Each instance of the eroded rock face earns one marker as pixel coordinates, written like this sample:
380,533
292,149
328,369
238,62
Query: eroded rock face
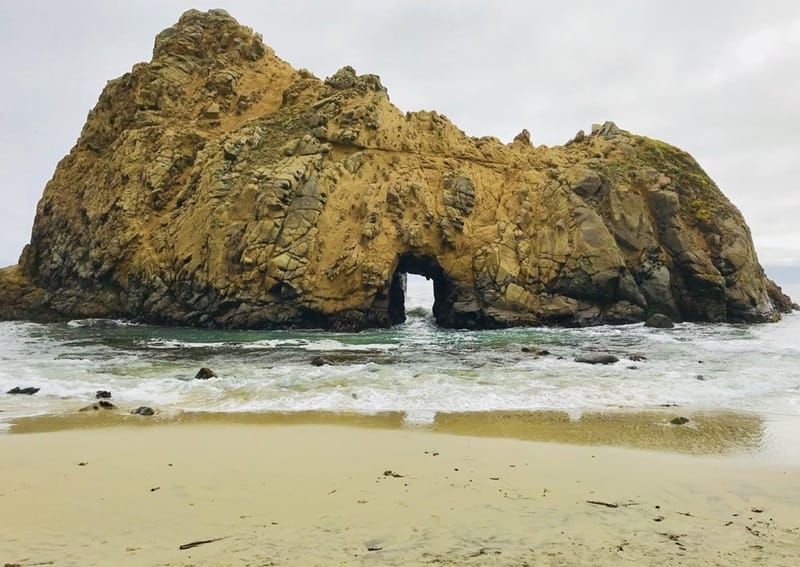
218,186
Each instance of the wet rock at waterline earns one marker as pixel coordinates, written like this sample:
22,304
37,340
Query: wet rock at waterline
101,405
143,410
217,186
102,394
659,321
205,374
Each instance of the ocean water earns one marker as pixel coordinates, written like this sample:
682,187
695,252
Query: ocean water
415,368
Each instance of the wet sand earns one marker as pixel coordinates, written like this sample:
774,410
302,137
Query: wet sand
712,433
335,494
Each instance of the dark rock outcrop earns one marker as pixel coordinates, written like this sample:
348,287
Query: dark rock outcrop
218,186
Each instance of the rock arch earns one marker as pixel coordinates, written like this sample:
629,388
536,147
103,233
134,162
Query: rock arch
218,186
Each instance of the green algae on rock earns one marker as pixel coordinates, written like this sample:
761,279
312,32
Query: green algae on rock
218,186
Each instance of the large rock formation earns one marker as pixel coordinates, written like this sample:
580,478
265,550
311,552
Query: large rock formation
218,186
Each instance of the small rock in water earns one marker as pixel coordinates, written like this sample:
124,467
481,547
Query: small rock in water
102,394
143,410
659,321
536,351
597,358
320,361
102,404
637,357
29,391
204,374
679,421
700,377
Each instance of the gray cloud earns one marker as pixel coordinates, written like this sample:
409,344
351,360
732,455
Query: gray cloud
718,79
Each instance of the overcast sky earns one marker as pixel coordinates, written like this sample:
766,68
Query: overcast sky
720,79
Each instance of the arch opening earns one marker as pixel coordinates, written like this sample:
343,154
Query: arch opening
429,268
419,296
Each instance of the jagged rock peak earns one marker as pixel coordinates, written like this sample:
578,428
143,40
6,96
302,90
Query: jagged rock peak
199,35
218,186
346,78
523,137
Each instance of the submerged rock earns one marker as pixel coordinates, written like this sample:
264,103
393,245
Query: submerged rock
597,358
320,361
535,351
28,391
679,421
216,186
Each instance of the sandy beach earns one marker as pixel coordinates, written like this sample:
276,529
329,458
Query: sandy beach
278,494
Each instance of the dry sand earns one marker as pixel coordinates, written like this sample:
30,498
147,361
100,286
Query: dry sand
343,495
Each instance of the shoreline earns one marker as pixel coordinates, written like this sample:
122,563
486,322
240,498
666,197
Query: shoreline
705,432
323,494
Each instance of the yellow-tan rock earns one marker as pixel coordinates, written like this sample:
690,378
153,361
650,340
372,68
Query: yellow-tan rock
218,186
